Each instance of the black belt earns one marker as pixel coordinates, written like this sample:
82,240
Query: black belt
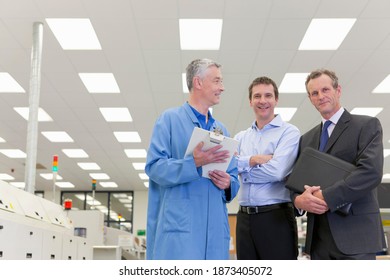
261,209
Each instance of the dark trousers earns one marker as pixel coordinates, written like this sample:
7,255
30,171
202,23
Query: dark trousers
270,235
323,246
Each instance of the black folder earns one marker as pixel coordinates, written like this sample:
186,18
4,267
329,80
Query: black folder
315,168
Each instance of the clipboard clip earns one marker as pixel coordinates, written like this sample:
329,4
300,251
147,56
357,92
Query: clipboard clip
216,137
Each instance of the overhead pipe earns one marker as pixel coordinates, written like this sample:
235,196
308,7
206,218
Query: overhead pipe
34,92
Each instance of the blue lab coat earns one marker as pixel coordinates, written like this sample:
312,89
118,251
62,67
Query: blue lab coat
187,216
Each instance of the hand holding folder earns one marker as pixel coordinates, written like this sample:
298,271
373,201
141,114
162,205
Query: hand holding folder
315,168
212,139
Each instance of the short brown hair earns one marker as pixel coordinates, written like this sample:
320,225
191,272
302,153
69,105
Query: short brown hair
317,73
263,81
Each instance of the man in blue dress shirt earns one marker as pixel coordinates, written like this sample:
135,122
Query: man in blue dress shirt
266,225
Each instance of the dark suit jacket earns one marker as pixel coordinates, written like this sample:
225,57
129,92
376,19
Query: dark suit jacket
358,140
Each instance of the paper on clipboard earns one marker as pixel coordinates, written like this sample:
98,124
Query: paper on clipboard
212,139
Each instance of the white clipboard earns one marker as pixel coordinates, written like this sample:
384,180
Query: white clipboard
212,139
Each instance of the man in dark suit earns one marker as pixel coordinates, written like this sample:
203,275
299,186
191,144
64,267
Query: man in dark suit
355,139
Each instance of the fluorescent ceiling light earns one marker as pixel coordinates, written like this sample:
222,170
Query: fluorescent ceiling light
139,165
57,136
184,83
127,136
99,176
383,87
74,33
293,83
65,185
386,176
75,153
386,152
100,82
116,114
88,165
367,111
200,34
19,185
128,205
135,153
6,177
108,184
9,84
13,153
326,33
49,176
2,140
146,184
143,176
285,113
42,115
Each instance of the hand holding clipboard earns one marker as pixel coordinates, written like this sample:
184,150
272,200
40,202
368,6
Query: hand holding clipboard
210,140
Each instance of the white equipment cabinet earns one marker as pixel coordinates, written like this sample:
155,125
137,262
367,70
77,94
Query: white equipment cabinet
34,228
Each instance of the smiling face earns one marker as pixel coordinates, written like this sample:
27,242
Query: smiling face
324,96
210,86
263,102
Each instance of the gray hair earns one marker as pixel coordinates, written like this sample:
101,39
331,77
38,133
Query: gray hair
198,68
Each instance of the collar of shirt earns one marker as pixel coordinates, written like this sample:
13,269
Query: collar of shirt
334,119
276,121
202,119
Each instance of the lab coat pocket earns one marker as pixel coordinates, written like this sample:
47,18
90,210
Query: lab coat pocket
177,216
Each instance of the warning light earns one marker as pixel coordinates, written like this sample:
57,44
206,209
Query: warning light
68,204
55,164
93,184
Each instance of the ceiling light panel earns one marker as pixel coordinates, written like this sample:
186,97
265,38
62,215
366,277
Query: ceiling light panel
200,34
127,136
383,87
65,185
13,153
116,114
75,153
6,177
139,165
108,184
57,136
100,82
326,33
9,84
74,33
2,140
367,111
135,153
25,111
293,83
99,176
88,165
184,83
49,176
285,113
143,176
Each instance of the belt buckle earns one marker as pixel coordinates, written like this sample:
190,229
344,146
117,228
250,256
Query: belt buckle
251,210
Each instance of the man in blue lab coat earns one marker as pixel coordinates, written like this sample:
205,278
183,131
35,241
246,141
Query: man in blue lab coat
187,215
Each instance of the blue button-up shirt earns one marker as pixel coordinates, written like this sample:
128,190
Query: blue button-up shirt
265,184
